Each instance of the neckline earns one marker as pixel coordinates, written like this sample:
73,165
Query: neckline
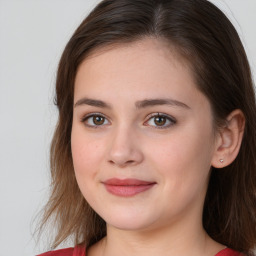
80,251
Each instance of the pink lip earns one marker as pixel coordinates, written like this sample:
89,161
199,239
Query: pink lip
127,187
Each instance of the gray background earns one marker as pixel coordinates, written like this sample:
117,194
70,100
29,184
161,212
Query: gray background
33,34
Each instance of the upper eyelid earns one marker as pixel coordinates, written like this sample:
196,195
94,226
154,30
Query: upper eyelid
161,114
84,117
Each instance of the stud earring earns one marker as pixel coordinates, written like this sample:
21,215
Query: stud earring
221,160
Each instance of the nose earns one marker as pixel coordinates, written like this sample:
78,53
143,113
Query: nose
125,149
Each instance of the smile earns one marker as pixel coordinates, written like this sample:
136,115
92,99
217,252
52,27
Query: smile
127,187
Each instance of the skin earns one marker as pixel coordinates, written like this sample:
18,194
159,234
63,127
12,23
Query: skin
130,143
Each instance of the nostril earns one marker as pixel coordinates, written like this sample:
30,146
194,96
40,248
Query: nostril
130,162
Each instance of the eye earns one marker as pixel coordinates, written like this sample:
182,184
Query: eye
95,120
160,121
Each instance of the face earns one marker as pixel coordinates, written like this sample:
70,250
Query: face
142,137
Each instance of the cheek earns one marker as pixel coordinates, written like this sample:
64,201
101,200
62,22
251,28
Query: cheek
87,153
184,160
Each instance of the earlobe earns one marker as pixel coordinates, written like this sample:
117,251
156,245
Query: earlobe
229,140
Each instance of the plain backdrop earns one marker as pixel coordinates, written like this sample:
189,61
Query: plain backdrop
33,34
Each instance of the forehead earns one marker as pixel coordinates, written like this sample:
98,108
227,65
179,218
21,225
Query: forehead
141,54
136,70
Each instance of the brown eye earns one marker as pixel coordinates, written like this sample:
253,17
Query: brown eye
98,120
95,120
160,120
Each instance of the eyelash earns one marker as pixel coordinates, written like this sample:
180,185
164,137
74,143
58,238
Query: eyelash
167,118
93,115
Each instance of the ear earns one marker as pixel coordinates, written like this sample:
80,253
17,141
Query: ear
229,139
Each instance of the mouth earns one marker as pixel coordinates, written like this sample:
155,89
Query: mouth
127,187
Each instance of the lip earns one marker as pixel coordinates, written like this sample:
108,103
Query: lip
127,187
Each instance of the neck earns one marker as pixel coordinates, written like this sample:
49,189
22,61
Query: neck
186,240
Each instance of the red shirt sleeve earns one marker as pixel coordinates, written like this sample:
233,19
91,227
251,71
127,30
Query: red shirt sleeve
61,252
229,252
77,251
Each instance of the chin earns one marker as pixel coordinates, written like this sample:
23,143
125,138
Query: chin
128,226
130,222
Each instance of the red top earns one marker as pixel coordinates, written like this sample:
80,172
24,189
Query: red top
80,251
77,251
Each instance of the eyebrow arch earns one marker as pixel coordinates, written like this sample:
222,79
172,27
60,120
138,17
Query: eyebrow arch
138,104
154,102
92,102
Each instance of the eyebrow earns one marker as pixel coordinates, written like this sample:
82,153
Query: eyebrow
155,102
138,104
92,102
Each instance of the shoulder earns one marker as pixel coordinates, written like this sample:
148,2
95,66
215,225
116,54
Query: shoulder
77,251
229,252
61,252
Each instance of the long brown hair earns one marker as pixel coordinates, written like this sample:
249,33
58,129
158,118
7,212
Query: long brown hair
202,34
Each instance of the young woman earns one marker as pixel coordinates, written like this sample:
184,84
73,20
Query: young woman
154,150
